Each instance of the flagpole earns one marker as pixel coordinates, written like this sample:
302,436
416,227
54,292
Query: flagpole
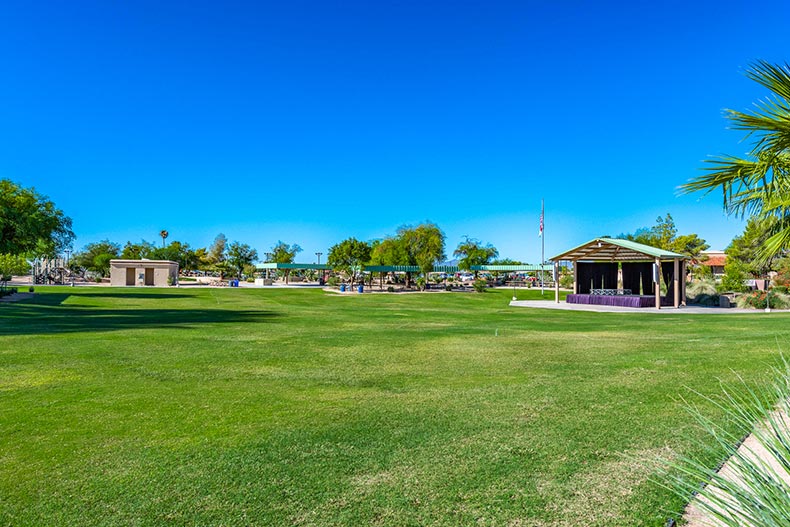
542,246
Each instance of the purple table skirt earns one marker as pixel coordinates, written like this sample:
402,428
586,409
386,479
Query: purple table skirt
616,300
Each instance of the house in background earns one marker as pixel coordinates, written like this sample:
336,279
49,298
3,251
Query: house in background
716,261
159,273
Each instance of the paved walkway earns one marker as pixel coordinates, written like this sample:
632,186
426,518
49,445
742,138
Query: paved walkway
550,304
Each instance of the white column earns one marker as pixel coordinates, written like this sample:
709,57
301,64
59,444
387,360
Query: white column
676,282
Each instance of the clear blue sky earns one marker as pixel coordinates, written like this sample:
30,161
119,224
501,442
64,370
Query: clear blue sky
313,121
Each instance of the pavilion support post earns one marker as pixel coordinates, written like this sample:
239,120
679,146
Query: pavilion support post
657,280
575,278
557,281
676,282
683,282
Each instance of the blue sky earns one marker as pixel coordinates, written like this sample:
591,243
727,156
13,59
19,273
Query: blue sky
310,122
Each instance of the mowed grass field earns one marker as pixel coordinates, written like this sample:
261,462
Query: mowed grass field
300,407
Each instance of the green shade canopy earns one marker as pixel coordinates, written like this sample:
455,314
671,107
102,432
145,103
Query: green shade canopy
616,250
412,268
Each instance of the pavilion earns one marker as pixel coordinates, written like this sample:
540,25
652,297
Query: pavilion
599,263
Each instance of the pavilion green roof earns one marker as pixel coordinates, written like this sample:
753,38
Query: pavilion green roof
615,249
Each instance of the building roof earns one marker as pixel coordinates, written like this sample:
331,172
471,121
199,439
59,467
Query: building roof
617,250
715,260
143,261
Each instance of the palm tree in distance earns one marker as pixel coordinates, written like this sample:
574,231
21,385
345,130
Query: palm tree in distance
164,234
759,183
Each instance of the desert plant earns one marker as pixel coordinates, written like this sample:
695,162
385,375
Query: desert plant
421,283
753,491
703,286
390,289
480,285
333,281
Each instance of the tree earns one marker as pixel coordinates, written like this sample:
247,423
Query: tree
472,253
389,251
284,254
163,234
349,256
30,223
95,257
12,264
735,275
758,184
239,255
137,251
746,247
664,235
216,255
423,246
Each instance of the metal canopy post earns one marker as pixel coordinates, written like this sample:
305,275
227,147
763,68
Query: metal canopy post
676,282
556,282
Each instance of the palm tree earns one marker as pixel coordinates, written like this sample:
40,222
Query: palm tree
759,183
164,234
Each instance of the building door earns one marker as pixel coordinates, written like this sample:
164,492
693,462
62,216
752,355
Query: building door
130,275
149,276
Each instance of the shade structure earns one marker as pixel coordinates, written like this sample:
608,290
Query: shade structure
641,267
614,250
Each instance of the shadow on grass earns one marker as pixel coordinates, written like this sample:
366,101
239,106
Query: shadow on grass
48,317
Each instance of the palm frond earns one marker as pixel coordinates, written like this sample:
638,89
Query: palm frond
774,77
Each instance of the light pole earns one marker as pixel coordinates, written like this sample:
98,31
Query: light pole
319,257
321,273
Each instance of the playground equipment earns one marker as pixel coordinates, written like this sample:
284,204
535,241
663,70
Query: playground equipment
51,271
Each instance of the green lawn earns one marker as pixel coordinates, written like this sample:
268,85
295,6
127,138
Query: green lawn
298,407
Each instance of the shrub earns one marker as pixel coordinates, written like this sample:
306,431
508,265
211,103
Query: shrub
390,289
448,287
703,292
763,299
566,281
704,299
480,285
703,286
421,283
333,281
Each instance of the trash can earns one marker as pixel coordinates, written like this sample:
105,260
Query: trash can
360,288
342,288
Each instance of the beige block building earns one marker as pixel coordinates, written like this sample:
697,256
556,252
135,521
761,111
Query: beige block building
143,272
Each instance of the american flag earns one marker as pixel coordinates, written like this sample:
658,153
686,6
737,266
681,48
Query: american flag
540,233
